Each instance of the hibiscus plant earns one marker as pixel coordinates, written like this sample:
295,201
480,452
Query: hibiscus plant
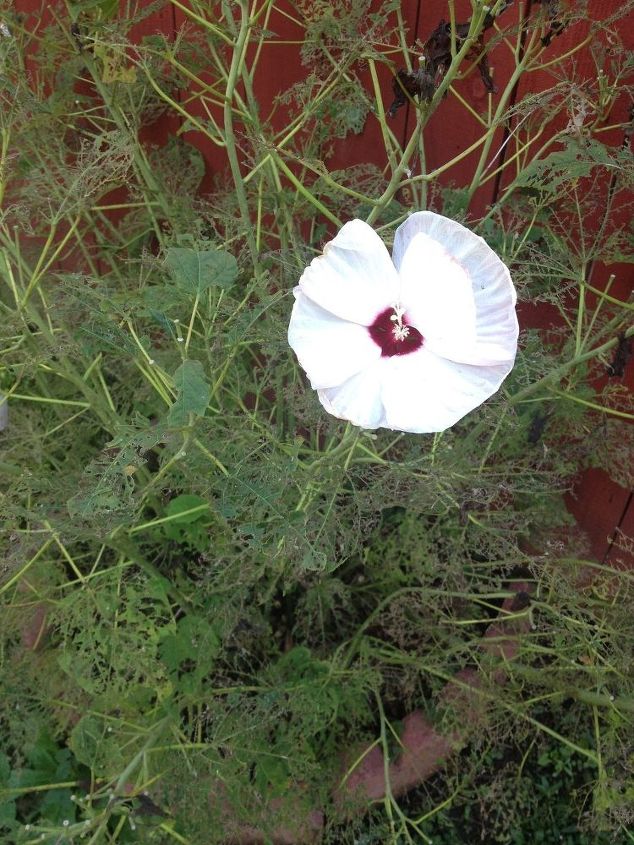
312,315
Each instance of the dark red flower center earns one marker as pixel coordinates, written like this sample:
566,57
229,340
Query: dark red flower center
393,334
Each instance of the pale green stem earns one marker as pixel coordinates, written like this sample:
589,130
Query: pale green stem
423,116
237,59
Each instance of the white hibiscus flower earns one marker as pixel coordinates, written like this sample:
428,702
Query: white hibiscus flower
413,342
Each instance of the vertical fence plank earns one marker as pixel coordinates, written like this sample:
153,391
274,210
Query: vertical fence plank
597,502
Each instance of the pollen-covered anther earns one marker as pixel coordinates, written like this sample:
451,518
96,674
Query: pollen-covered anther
400,330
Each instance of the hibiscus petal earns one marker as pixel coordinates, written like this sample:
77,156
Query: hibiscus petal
422,392
359,398
437,295
493,338
329,349
354,278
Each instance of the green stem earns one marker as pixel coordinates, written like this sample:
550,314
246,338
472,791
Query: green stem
237,59
501,107
424,114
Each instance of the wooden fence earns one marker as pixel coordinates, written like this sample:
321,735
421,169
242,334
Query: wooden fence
601,507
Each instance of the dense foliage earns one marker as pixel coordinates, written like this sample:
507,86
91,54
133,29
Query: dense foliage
210,590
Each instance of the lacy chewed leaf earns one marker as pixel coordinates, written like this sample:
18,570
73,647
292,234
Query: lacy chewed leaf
105,489
193,393
611,450
136,437
573,162
181,166
196,270
106,336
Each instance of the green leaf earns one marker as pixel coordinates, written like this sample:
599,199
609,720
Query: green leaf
106,9
8,813
549,174
85,739
196,270
184,527
5,769
95,746
272,772
189,652
178,507
7,807
193,393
